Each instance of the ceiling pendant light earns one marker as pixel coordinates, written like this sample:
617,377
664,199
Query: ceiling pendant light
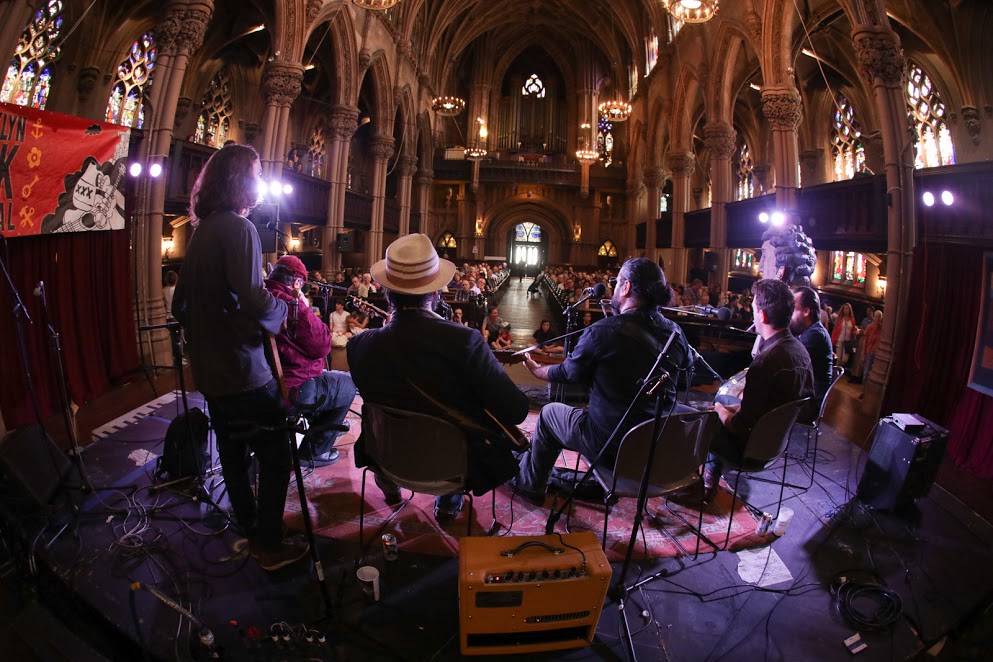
615,111
586,154
692,11
448,106
476,151
375,5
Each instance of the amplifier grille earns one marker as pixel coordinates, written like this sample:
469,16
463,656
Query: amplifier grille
552,618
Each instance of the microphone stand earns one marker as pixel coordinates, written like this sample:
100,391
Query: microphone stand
558,391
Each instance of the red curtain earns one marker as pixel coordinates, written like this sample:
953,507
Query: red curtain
87,279
931,374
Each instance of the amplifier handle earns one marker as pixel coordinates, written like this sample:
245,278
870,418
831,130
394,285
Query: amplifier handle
531,543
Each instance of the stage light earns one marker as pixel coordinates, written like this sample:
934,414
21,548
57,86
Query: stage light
287,189
778,218
263,190
763,217
276,187
155,170
135,169
928,199
947,198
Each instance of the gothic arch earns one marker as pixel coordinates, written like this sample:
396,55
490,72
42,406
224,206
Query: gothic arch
732,43
341,32
405,107
551,217
684,110
379,78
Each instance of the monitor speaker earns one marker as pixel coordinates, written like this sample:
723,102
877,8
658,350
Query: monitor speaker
343,243
903,462
31,466
266,220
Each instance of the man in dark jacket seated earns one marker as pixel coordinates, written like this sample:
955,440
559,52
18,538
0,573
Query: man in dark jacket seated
806,325
780,373
423,363
303,344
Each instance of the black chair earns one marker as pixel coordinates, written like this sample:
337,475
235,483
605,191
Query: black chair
416,451
766,444
681,451
815,428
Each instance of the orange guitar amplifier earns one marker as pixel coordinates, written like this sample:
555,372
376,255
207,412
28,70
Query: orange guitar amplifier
525,594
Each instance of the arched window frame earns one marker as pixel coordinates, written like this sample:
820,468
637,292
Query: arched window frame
607,249
746,174
846,141
533,87
605,140
318,150
927,111
447,240
528,232
743,260
848,268
214,122
126,103
29,76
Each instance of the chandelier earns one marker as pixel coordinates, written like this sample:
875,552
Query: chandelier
476,151
615,111
375,5
692,11
586,154
448,106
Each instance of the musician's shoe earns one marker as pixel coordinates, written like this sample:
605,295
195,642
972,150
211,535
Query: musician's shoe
391,492
290,550
448,507
711,484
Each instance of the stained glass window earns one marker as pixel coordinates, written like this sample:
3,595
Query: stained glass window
533,87
934,142
651,51
29,76
605,140
848,267
743,260
528,232
846,141
448,241
607,249
125,105
746,178
318,143
663,203
214,122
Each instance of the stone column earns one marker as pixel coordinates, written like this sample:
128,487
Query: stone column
681,165
781,105
635,194
408,166
382,151
722,144
178,36
14,16
654,181
882,66
342,124
424,180
280,88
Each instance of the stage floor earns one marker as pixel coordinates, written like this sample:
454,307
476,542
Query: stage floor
773,602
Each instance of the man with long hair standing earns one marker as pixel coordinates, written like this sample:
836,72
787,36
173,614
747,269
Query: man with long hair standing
226,311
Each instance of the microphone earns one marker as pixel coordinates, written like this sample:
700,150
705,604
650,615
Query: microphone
724,314
595,292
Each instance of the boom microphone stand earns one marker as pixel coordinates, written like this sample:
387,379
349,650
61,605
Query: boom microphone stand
558,391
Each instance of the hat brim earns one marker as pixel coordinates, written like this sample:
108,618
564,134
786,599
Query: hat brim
446,270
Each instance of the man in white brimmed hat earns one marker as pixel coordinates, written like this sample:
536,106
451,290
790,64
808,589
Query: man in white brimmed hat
424,363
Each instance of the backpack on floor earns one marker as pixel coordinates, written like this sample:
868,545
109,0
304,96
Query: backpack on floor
184,454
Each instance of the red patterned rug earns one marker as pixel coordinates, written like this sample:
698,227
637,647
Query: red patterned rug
333,495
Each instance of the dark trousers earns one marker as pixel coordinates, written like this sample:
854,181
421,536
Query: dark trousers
233,418
335,391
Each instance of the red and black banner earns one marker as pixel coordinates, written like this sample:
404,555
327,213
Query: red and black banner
59,173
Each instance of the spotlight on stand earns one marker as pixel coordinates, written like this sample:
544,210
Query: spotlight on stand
135,169
155,170
763,217
928,199
778,218
947,198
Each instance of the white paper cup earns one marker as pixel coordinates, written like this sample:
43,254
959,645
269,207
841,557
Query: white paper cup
369,580
785,515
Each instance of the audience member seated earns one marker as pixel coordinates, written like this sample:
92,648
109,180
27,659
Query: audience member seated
543,335
340,331
503,339
806,325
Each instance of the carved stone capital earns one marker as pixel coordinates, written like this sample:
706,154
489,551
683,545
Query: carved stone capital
654,177
636,190
381,148
782,107
86,80
249,130
406,48
192,30
425,177
754,23
343,122
681,164
720,139
183,106
970,115
879,55
168,30
281,83
365,59
408,166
